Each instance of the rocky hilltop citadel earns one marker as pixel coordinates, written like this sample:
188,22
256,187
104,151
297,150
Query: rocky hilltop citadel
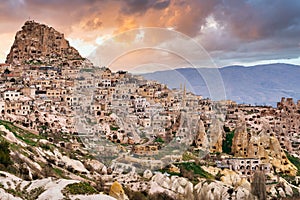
39,44
71,130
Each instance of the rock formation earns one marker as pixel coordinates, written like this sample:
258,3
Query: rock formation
201,140
181,188
264,146
117,191
240,140
39,44
215,134
174,186
258,185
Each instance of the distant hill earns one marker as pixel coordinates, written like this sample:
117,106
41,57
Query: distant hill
260,84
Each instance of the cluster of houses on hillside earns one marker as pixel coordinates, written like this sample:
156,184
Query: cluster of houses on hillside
128,110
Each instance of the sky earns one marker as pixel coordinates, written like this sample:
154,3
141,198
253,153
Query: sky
165,32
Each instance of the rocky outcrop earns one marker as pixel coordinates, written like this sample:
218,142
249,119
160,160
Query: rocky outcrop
174,186
264,146
215,190
181,188
47,188
240,140
201,140
215,134
39,44
283,189
117,191
147,174
229,177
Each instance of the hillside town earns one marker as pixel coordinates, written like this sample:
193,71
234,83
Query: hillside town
126,121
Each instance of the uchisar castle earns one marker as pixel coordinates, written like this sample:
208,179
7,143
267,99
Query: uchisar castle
72,130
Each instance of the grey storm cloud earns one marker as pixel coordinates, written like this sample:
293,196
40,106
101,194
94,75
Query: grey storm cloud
259,19
141,6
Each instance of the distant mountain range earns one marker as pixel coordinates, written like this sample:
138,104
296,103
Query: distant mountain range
257,85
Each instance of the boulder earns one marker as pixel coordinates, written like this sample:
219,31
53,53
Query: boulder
147,174
116,191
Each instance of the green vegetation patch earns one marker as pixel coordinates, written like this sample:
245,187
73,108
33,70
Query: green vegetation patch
80,188
227,142
196,169
21,134
190,170
159,140
114,128
295,161
32,195
187,156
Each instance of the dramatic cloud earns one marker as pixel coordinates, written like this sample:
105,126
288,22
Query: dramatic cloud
141,6
230,30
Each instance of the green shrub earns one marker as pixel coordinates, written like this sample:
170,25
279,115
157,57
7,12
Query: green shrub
80,188
187,156
114,128
191,171
227,142
159,139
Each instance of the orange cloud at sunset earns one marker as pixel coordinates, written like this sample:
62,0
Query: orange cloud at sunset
231,31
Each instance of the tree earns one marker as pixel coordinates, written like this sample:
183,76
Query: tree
258,185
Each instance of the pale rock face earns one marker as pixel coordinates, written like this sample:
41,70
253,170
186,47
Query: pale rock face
232,178
147,174
104,170
174,186
97,165
242,193
240,140
76,164
273,192
288,190
216,190
281,192
216,135
211,191
181,188
201,139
